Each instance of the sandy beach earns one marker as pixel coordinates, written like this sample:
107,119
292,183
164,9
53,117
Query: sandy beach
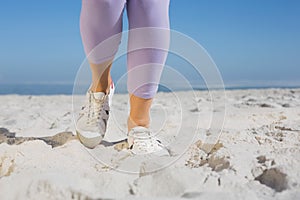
257,155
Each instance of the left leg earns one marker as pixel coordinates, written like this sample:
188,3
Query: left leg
145,64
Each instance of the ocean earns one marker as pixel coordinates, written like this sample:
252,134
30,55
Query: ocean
67,89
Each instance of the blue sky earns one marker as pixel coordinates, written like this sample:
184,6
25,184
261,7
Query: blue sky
251,40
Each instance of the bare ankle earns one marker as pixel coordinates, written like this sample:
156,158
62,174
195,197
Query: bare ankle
131,122
100,88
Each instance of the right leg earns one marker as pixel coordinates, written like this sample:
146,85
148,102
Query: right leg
99,20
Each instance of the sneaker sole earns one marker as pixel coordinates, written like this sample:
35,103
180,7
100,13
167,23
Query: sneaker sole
89,142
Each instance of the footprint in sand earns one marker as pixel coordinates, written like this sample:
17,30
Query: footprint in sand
55,141
199,158
269,175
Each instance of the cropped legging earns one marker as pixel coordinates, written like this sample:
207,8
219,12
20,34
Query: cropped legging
148,38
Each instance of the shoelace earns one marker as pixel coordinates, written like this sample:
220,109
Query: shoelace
146,142
151,142
96,110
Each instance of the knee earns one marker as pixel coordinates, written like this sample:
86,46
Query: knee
147,4
106,2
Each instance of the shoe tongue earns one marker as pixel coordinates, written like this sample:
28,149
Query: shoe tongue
98,95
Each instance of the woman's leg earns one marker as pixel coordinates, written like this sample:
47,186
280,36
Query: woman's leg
99,20
145,64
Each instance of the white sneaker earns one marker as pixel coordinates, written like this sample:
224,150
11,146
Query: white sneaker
142,141
91,124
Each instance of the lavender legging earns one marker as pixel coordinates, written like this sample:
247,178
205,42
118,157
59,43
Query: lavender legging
102,19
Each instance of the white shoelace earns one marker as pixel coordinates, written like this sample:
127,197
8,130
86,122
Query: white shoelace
95,110
144,142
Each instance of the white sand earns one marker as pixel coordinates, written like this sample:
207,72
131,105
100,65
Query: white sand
257,157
